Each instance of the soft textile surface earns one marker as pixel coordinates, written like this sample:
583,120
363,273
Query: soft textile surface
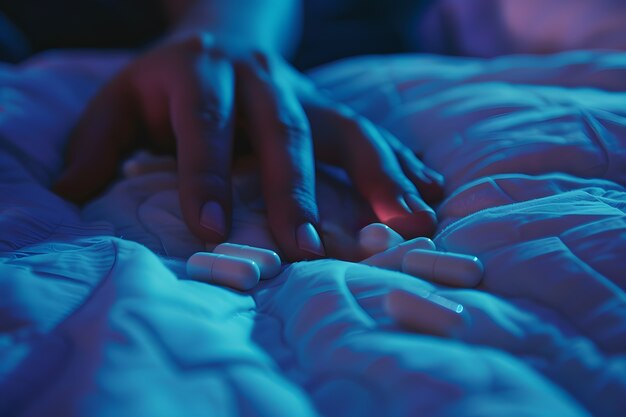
494,27
97,318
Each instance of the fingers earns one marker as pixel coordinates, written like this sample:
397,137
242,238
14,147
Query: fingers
380,178
202,116
428,181
102,136
375,169
281,137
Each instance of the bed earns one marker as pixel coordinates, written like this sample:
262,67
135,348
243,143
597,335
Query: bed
98,318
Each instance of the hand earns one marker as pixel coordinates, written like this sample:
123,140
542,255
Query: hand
181,96
393,181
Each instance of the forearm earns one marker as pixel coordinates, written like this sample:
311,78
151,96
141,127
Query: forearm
266,24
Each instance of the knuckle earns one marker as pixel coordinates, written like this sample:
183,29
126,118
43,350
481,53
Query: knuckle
296,187
302,195
212,117
299,198
290,128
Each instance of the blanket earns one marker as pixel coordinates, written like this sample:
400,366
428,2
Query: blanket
98,318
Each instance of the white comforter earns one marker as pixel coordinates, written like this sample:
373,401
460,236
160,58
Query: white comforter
97,318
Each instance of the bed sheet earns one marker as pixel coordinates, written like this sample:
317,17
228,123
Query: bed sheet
97,317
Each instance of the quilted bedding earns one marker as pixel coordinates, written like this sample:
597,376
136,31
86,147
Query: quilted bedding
97,317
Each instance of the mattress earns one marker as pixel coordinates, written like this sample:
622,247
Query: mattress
98,317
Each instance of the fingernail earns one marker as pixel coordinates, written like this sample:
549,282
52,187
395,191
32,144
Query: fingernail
416,204
212,217
309,240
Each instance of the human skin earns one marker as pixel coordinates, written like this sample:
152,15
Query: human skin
220,79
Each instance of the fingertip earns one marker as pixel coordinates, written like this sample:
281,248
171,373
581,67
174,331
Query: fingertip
294,225
304,244
420,221
213,219
309,241
407,214
208,219
205,203
434,176
415,203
